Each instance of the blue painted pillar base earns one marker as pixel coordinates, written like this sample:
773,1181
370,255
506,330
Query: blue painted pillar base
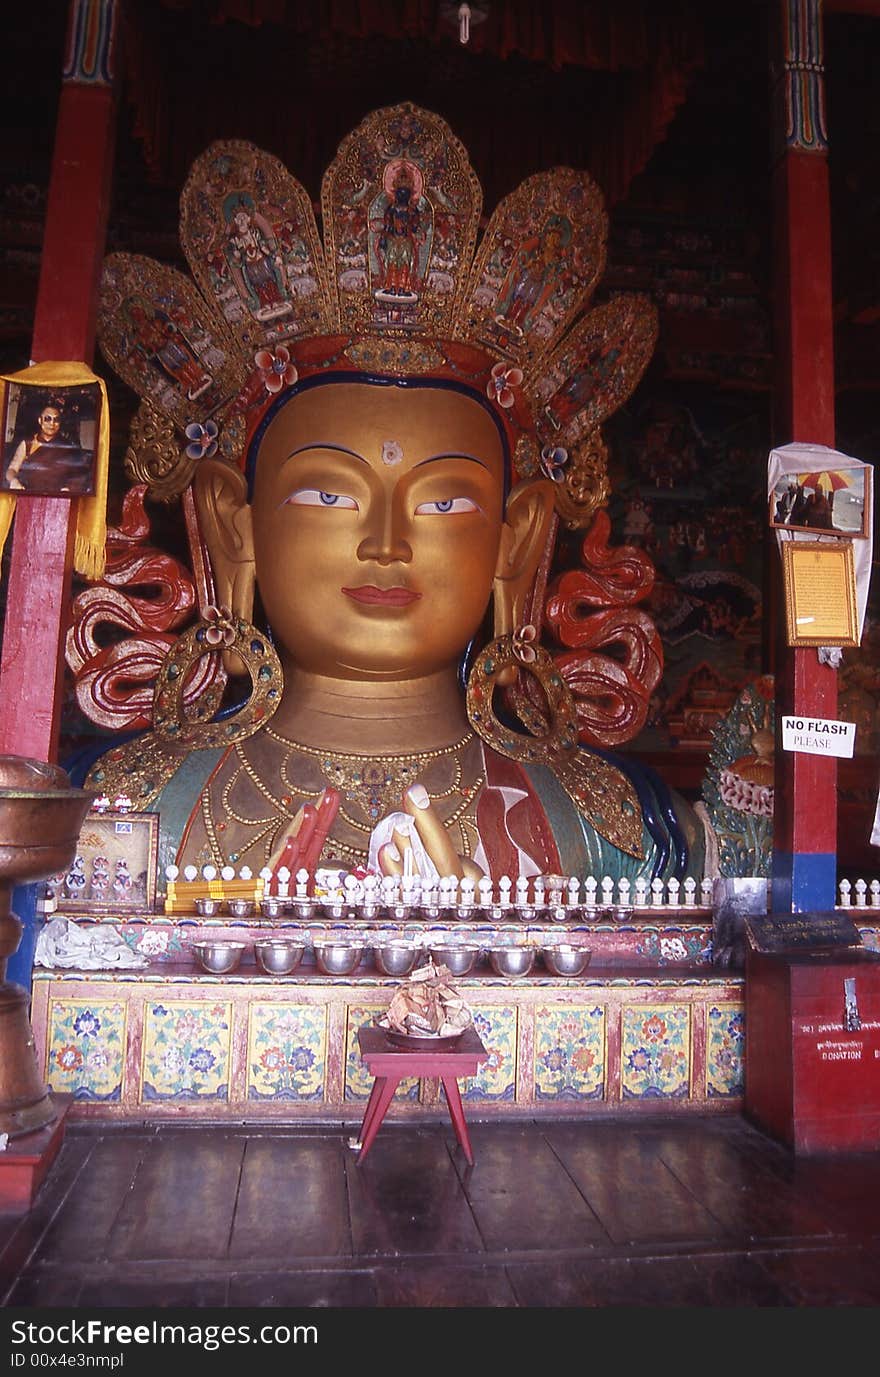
20,966
804,883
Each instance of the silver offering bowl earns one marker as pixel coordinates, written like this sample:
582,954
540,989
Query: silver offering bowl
395,956
512,960
302,906
565,959
40,820
207,908
458,958
338,957
277,956
272,906
239,908
219,956
579,913
338,910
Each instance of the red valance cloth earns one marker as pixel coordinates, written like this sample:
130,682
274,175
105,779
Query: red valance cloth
608,35
605,78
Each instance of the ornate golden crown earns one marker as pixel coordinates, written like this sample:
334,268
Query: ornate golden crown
400,287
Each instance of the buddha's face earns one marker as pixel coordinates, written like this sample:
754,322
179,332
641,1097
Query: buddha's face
377,519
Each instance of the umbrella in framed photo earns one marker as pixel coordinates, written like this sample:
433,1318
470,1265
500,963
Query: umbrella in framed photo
832,480
828,501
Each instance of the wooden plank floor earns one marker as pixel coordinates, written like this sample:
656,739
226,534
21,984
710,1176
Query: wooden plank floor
661,1212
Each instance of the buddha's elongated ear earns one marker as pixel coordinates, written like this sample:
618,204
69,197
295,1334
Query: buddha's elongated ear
220,492
523,537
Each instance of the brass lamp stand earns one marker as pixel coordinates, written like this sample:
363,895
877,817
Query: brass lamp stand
40,820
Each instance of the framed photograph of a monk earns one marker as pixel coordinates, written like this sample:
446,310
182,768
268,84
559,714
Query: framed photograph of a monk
49,440
826,501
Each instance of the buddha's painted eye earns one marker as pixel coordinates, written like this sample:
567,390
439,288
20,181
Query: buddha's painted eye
446,506
314,497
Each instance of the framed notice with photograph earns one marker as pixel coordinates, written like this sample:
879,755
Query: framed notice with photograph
50,439
820,593
114,869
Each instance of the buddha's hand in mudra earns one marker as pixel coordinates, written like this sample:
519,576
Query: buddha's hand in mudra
417,830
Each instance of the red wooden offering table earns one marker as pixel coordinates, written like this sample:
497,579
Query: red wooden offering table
391,1064
811,1080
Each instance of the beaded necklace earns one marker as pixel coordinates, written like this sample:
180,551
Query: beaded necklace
370,787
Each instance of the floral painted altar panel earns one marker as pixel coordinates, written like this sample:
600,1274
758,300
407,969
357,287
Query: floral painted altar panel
497,1026
569,1053
287,1051
655,1051
86,1049
725,1051
186,1052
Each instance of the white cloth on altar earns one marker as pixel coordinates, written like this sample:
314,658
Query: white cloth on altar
96,947
405,826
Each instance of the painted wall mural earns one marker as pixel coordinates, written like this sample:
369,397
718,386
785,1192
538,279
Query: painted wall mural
687,469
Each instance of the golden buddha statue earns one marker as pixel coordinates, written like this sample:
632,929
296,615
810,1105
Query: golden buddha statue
368,473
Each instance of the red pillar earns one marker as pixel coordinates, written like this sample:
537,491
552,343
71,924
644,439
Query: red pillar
38,597
805,823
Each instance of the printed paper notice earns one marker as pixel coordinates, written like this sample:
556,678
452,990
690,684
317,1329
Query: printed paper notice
820,593
818,736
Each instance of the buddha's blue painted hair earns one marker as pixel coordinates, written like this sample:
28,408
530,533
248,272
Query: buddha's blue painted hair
374,380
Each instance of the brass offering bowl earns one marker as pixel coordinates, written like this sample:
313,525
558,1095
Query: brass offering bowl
338,957
395,956
512,960
219,956
565,959
457,957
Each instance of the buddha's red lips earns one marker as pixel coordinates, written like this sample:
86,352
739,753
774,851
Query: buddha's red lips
382,597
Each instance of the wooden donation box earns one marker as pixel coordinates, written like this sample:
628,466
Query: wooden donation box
813,1032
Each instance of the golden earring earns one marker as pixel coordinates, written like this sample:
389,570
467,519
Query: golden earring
492,666
218,630
601,792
